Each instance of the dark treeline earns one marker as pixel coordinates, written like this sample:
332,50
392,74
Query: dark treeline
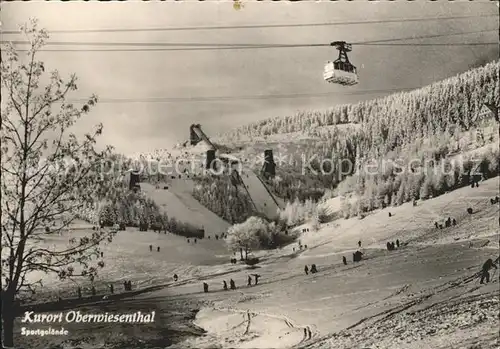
133,209
393,186
232,203
292,185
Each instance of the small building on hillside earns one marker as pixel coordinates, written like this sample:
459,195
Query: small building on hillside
488,111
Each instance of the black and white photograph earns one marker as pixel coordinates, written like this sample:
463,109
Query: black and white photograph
250,174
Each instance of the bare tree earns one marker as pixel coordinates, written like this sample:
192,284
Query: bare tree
47,176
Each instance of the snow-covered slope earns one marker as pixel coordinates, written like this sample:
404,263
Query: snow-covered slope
178,202
263,200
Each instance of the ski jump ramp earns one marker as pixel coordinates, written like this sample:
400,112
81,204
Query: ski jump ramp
203,136
178,203
264,202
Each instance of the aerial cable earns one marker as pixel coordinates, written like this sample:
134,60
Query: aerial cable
205,46
238,98
255,26
162,49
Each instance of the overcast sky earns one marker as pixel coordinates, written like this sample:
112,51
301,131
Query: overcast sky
143,126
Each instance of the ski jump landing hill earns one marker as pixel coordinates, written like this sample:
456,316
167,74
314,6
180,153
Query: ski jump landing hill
177,201
263,200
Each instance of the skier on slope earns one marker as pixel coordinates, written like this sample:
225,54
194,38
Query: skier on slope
485,271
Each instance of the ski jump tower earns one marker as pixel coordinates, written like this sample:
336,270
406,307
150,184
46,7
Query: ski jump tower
193,136
196,135
269,168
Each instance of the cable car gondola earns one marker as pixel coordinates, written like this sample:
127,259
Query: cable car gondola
341,71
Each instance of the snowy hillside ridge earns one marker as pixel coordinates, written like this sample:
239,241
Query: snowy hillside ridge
427,104
172,153
433,122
